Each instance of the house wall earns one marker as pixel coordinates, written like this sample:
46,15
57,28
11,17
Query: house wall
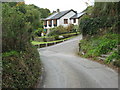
58,22
61,20
52,24
67,16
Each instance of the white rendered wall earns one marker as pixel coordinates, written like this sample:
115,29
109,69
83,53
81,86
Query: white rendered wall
52,24
61,20
58,22
67,16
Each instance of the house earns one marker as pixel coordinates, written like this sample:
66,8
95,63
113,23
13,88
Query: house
63,18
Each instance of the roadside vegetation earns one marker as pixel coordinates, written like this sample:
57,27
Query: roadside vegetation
20,60
99,27
62,30
48,42
56,34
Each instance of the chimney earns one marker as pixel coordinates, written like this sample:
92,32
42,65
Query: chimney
58,10
54,12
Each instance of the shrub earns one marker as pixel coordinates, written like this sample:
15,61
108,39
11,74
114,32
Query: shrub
114,55
62,30
70,28
21,71
38,31
96,46
57,31
76,28
17,25
11,53
91,26
21,64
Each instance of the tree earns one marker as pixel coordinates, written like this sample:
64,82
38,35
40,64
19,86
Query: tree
44,11
20,60
18,23
103,15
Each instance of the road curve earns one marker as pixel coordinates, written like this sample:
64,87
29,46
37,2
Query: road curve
64,69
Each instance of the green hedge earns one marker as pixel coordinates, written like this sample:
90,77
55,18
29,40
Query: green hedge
21,70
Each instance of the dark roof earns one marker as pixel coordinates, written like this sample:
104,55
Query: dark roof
78,15
59,14
51,16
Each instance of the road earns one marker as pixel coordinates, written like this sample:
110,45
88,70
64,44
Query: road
65,69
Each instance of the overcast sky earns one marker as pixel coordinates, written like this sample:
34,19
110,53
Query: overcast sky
77,5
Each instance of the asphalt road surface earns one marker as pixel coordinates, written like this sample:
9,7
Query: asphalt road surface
65,69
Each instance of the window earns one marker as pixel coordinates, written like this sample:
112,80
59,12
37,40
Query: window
65,21
55,22
74,20
50,23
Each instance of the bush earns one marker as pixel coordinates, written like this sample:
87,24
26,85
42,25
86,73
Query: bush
57,31
38,32
70,28
21,64
21,70
114,56
17,25
75,29
62,30
11,53
96,46
92,26
53,32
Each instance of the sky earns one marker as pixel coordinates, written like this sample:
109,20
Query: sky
77,5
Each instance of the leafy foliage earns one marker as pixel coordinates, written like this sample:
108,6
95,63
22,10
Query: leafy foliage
11,53
92,26
99,27
21,65
96,46
105,9
101,16
21,70
44,11
62,30
18,23
38,31
115,56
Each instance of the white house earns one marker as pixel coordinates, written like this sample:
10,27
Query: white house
63,18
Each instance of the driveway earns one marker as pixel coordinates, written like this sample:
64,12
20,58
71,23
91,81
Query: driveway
65,69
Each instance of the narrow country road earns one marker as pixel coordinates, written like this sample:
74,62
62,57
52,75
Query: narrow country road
64,69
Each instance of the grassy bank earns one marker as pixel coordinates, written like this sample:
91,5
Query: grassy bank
101,45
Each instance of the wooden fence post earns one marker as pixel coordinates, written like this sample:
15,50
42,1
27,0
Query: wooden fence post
79,46
46,45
